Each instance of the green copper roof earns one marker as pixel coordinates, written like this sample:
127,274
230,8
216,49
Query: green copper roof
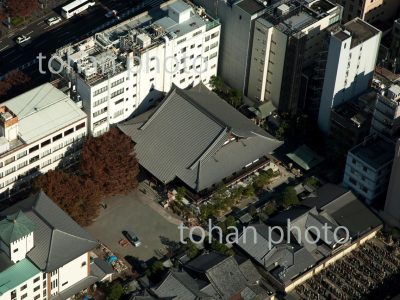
16,275
305,157
15,226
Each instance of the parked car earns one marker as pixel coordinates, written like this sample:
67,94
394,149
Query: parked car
22,39
53,20
111,13
132,237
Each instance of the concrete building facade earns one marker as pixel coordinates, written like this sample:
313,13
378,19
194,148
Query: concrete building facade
237,19
124,70
386,120
40,130
368,168
287,39
352,55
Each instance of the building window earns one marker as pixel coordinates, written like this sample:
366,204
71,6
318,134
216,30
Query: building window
213,55
36,279
45,143
65,283
80,126
36,297
23,287
46,163
9,160
9,171
98,123
215,34
15,250
34,148
119,81
24,296
119,113
181,41
58,147
22,154
57,137
100,101
13,294
83,264
99,112
36,288
197,33
119,101
213,45
34,159
69,131
99,91
117,93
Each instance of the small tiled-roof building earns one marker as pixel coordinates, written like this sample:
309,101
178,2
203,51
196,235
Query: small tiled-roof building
215,276
306,245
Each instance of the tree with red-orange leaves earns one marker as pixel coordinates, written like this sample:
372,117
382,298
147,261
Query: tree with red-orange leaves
79,197
18,8
110,161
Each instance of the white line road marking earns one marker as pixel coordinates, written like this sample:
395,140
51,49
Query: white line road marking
4,48
29,32
15,58
41,43
9,53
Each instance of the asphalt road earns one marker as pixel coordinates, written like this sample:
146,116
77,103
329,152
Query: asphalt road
46,39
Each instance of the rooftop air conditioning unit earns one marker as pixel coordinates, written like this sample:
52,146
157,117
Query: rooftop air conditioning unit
282,10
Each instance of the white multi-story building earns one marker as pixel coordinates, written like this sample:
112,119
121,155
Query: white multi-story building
368,167
386,118
44,253
39,131
124,70
352,55
287,39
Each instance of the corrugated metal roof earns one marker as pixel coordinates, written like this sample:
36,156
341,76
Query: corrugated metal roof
54,232
185,137
42,111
